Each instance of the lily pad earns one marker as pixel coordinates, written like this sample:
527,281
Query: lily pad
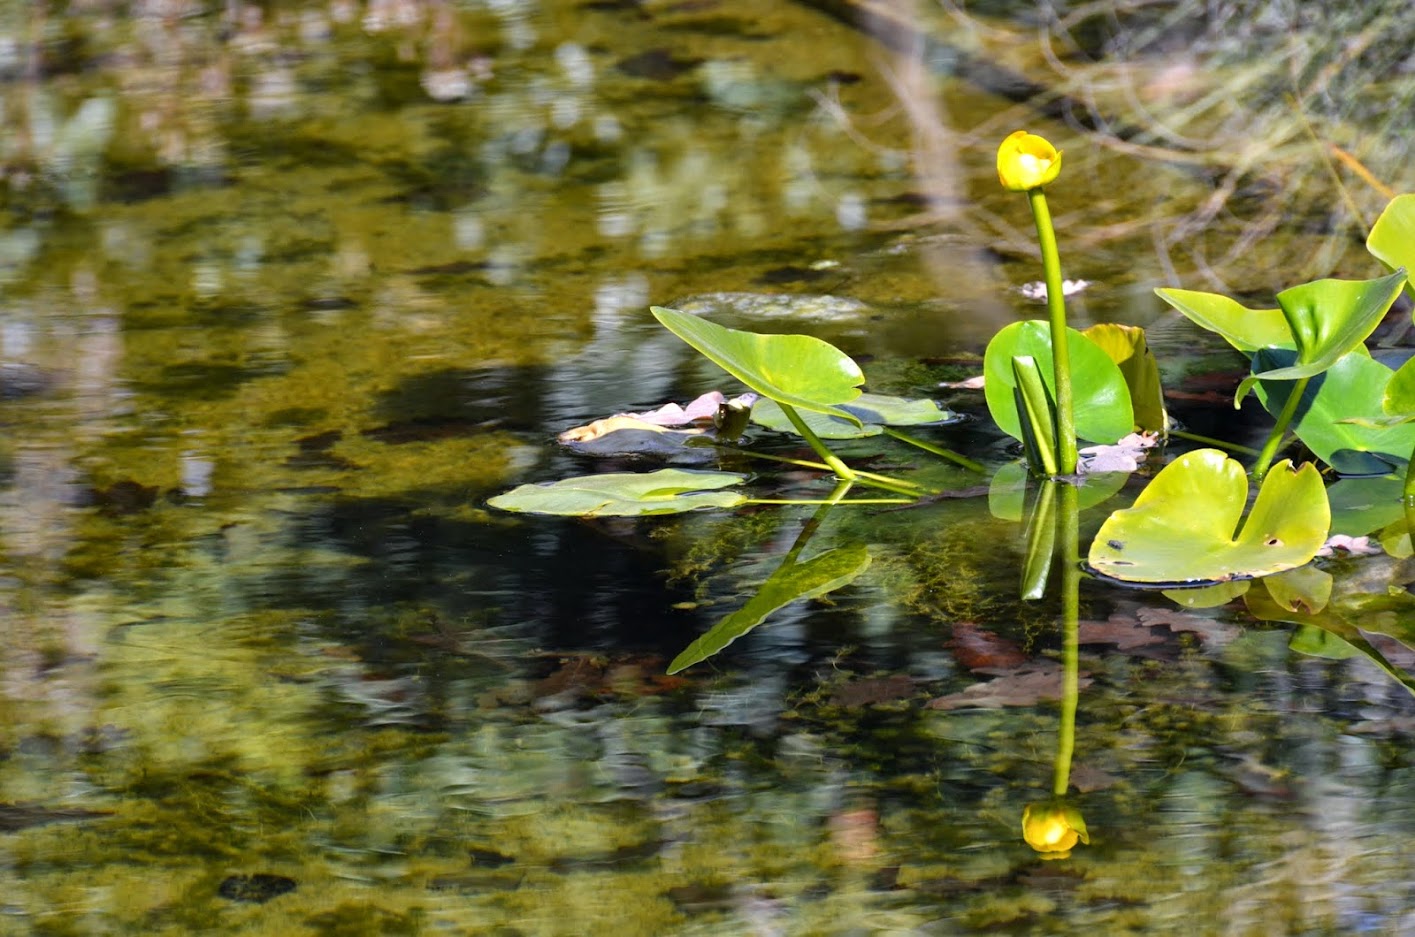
1100,396
1361,505
799,370
1339,414
667,491
790,583
1392,238
874,412
1328,318
1243,328
1187,525
1127,348
1305,589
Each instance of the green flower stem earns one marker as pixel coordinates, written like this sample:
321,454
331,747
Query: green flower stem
1056,312
1218,443
841,470
896,485
948,454
1070,638
808,501
1265,458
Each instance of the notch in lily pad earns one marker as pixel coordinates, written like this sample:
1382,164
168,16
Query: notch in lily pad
1187,526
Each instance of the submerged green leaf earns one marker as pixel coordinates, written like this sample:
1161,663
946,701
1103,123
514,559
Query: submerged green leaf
799,370
1100,396
790,583
1185,525
1328,318
667,491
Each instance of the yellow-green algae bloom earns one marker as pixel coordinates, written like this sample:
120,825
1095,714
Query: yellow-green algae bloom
1026,161
1053,827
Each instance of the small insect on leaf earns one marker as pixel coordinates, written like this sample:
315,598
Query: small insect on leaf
1116,544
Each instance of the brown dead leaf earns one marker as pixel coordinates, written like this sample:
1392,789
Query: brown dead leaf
1209,630
979,649
867,692
1120,630
1023,688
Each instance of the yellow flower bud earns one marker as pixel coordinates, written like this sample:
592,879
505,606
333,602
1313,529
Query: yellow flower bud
1027,161
1053,828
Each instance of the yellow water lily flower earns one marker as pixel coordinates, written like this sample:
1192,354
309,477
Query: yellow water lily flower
1052,828
1027,161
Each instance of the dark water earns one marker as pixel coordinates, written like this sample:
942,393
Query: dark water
287,290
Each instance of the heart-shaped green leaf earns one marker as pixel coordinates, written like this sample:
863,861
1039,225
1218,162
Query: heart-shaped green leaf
1392,238
1339,413
1327,319
799,370
791,582
1100,397
667,491
1243,328
874,412
1185,525
1127,348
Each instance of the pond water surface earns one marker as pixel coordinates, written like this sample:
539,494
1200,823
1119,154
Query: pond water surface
288,290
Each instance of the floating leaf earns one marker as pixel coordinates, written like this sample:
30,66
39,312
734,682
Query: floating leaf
790,583
1185,525
799,370
873,411
1392,238
667,491
1243,328
1333,402
1361,505
1100,398
1327,318
1126,346
1305,589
